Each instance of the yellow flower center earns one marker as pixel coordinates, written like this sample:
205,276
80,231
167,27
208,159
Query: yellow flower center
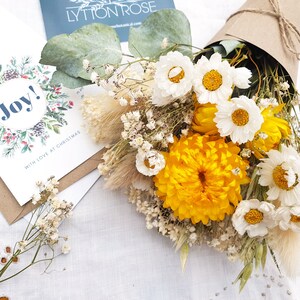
212,80
254,216
240,117
176,74
295,219
202,179
279,178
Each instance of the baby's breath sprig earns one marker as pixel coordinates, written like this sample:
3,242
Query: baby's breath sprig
41,232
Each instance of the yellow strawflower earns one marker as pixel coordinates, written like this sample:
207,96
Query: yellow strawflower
203,121
271,132
202,177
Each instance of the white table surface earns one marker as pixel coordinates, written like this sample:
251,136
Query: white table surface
113,255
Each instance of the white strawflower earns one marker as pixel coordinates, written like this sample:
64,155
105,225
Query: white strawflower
173,77
240,77
281,173
149,163
254,217
239,118
212,79
288,218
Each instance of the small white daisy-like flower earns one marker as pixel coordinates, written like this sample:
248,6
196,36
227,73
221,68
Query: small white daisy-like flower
36,198
240,77
123,101
137,141
284,86
146,146
246,153
263,135
86,64
173,78
288,218
281,173
94,76
165,43
239,118
22,245
266,102
212,79
236,171
149,163
254,217
170,139
109,69
65,249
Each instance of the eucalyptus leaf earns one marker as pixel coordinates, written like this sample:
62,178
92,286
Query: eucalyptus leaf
230,45
219,49
169,25
95,42
59,77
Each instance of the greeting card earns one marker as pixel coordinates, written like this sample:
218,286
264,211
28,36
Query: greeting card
41,130
35,118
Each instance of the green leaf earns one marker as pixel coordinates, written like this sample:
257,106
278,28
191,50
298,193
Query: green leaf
59,77
219,49
95,42
171,24
184,252
230,45
264,255
258,255
244,275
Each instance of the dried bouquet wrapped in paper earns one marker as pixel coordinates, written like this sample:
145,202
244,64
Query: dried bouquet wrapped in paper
204,141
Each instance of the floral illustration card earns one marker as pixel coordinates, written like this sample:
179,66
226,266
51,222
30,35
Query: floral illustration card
65,16
41,132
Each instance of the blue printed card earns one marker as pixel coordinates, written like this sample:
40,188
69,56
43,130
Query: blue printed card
65,16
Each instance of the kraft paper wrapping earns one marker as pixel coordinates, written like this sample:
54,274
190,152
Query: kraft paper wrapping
263,30
11,209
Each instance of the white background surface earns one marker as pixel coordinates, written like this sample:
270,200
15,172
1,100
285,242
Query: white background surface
113,255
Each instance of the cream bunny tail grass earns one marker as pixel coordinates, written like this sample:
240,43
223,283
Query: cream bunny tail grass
102,117
286,245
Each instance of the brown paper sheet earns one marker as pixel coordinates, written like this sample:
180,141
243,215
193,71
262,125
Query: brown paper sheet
11,209
263,31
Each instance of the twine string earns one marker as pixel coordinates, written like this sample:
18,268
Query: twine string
287,28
